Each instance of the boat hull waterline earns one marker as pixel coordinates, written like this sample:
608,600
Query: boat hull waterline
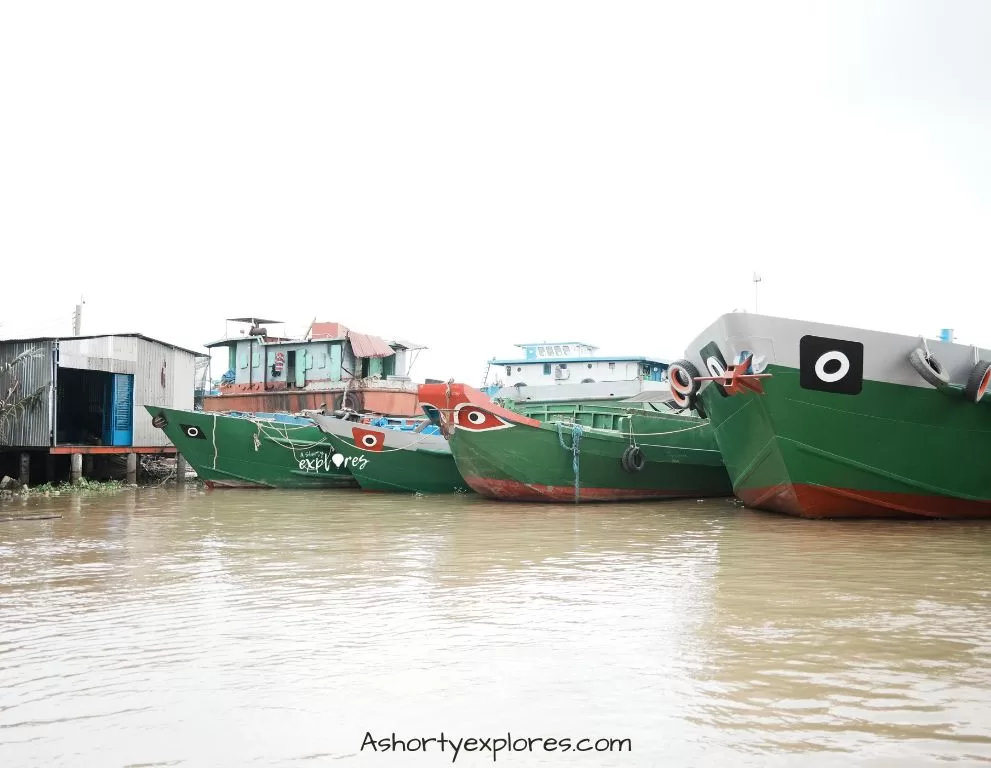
844,425
393,461
239,452
507,456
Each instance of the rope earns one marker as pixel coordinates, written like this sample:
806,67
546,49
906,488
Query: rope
632,434
214,436
575,448
669,432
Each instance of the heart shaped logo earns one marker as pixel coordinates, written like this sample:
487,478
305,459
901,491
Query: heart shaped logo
338,459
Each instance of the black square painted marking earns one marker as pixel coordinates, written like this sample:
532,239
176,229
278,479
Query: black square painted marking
714,362
192,432
831,365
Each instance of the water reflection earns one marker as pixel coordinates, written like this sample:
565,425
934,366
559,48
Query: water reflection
228,628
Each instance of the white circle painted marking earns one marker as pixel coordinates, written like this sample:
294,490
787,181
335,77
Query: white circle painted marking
476,417
368,441
193,431
836,375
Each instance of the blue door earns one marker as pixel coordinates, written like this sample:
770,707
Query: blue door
119,424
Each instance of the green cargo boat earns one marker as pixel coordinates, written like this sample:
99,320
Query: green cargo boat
384,459
589,453
826,421
254,450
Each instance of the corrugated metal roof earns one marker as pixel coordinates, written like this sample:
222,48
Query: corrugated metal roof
46,339
366,345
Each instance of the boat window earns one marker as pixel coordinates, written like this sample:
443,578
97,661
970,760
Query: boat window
557,350
541,351
509,370
518,369
547,369
567,350
590,366
562,365
612,366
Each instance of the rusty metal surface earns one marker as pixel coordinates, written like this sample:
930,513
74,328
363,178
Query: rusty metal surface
293,401
366,345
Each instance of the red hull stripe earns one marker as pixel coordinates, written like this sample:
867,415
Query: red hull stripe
818,501
513,490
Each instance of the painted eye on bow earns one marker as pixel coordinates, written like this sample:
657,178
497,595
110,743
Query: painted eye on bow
192,431
368,439
478,420
831,365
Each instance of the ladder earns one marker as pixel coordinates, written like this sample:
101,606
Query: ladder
485,377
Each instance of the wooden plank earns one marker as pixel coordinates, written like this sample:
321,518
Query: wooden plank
105,449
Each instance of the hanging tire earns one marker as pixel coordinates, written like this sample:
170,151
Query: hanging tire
977,382
684,387
633,459
928,368
159,421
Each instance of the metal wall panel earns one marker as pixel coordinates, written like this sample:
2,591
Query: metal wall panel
31,429
113,354
163,376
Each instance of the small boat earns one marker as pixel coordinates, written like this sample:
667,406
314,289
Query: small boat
383,455
254,450
590,453
827,421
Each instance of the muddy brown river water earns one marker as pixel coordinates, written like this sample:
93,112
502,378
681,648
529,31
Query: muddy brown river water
163,627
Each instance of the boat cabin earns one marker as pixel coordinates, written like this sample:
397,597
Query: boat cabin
328,354
570,362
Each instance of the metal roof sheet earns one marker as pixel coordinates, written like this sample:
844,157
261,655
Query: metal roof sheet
105,336
366,345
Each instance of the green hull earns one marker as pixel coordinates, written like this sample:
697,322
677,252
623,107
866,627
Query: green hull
887,447
403,470
235,452
525,460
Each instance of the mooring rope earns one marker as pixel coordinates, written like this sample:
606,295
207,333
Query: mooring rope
575,448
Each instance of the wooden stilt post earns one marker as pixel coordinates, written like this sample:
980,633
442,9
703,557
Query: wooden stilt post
180,469
132,469
49,468
75,468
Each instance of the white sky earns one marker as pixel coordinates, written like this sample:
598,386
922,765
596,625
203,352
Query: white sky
474,175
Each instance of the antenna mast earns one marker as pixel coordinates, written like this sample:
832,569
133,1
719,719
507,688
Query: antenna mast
77,318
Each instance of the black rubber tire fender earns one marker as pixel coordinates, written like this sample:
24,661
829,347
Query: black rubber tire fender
633,458
929,368
977,382
682,393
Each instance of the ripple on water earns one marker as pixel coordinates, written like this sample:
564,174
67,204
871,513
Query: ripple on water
226,628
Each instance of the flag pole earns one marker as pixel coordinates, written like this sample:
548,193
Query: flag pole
756,280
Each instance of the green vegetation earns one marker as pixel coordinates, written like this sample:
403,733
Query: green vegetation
60,489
